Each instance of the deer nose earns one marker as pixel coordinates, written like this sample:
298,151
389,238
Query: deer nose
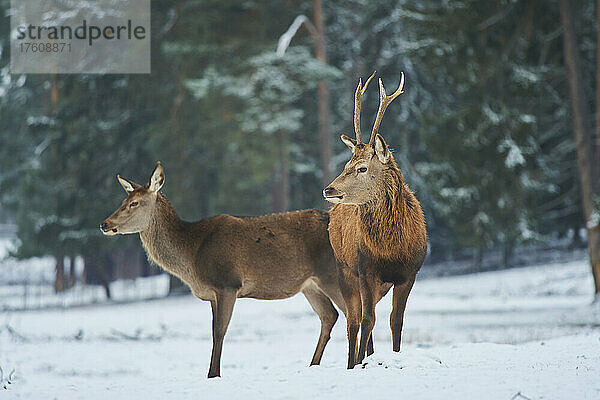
328,191
104,227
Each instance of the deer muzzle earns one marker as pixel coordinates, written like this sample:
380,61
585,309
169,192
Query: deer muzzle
107,229
333,195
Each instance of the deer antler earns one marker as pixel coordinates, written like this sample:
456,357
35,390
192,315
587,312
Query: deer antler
360,90
384,101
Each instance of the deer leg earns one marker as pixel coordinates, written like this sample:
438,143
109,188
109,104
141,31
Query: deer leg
370,349
222,308
368,315
401,293
351,296
352,326
321,304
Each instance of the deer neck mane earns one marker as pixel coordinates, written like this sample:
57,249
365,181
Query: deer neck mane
383,220
166,240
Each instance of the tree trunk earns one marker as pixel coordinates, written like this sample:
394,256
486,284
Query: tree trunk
322,95
176,286
98,270
477,259
582,135
105,273
597,138
281,185
71,275
83,278
507,251
53,92
106,286
59,279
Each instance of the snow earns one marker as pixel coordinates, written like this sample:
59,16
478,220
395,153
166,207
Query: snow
491,335
286,38
514,157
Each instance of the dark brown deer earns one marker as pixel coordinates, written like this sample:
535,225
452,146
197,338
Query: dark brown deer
224,257
377,227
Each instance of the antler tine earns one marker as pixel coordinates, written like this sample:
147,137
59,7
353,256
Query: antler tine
360,90
384,101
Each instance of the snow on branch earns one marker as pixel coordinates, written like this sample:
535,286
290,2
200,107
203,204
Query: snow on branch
286,38
136,336
8,380
593,221
520,396
14,334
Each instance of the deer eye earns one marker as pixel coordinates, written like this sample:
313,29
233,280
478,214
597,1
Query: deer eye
133,204
362,169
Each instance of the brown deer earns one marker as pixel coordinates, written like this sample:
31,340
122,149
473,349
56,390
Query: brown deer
377,228
224,257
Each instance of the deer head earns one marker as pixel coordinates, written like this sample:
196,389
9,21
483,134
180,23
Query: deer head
135,212
364,175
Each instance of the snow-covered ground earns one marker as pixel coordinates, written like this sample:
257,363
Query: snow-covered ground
526,333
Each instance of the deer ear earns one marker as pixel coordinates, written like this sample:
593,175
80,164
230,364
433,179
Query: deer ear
381,149
351,143
157,180
128,185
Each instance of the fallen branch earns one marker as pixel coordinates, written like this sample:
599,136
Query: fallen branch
136,336
124,335
15,334
9,380
519,395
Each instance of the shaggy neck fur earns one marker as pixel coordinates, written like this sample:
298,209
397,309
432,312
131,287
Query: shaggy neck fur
392,224
166,239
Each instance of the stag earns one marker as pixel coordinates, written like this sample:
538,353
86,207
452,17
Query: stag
225,257
376,228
